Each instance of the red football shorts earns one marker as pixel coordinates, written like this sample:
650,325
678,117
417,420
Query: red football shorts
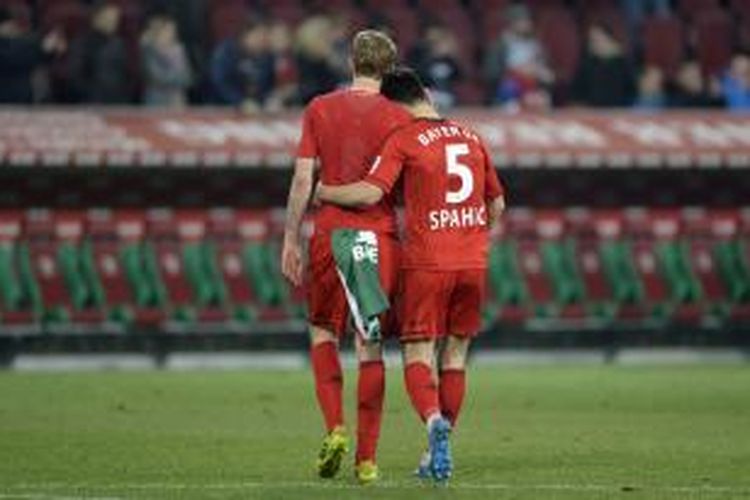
439,303
326,300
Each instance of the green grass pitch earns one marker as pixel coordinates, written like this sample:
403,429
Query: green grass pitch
569,432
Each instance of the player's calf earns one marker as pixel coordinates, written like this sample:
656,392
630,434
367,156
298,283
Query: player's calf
452,379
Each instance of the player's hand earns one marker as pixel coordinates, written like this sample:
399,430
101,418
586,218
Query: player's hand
291,260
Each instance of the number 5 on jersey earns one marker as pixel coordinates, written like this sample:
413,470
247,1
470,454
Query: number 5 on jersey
455,167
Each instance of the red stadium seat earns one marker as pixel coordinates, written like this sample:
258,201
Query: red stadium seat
470,92
116,239
227,21
16,303
640,231
558,32
741,7
54,239
256,233
71,17
702,229
433,6
486,7
537,5
691,9
405,24
292,13
332,5
387,4
522,225
583,231
223,229
459,22
663,43
713,35
167,251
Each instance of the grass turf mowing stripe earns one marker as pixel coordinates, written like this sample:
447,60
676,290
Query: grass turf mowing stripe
572,432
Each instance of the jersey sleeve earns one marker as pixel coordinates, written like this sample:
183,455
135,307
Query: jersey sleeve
387,167
308,144
492,186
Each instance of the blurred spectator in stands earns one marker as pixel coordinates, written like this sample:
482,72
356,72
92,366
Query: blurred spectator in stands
242,69
690,89
20,55
318,61
190,16
605,76
98,62
651,89
435,58
735,83
515,64
166,70
285,92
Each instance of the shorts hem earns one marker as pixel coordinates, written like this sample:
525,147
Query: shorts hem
327,325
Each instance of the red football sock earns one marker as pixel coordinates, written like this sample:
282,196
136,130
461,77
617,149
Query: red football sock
422,389
452,389
370,390
328,382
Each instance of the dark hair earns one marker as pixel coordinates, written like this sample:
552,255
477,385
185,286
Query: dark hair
403,85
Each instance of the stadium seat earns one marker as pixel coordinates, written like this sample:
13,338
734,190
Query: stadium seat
691,9
20,297
663,43
552,282
388,4
713,37
261,265
507,291
559,35
113,264
538,5
670,284
723,275
434,6
56,264
289,12
172,259
405,23
226,250
642,251
227,20
741,8
71,17
203,267
486,7
332,5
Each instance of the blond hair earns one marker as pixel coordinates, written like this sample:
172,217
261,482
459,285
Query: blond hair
373,54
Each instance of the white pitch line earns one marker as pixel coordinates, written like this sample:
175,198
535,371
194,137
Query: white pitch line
250,485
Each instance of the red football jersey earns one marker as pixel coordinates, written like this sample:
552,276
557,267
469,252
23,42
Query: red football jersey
345,130
448,180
